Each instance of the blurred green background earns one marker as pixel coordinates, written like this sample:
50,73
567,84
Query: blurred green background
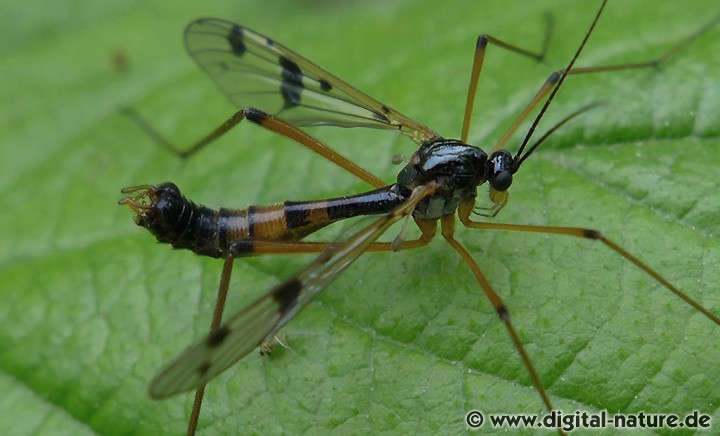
91,307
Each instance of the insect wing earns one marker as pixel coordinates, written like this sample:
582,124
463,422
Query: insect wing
255,71
261,320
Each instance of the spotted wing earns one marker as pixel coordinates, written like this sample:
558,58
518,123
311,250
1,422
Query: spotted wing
261,320
255,71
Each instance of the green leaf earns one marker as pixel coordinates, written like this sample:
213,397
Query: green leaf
92,307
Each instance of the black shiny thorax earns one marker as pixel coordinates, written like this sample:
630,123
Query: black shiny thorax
457,168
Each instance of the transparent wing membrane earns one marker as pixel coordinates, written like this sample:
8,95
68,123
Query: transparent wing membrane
258,322
255,71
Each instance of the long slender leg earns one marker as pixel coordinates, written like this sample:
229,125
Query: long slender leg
214,324
466,208
223,128
267,121
552,80
448,229
427,228
277,125
478,59
252,248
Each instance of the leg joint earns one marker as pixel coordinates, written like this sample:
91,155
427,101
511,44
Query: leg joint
592,234
255,115
242,247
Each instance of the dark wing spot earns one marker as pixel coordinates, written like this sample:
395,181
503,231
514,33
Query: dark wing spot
287,294
291,85
380,117
269,42
204,368
325,85
217,337
386,109
236,40
291,71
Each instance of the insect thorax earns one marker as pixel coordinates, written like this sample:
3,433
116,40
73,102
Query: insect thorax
457,168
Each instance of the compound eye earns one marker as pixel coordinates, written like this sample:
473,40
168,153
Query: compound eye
500,170
501,181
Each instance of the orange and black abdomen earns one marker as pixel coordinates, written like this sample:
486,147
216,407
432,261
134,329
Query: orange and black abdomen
175,220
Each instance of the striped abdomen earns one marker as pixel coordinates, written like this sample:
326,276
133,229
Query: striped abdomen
178,221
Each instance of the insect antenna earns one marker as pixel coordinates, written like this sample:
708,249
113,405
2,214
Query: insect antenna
519,160
554,92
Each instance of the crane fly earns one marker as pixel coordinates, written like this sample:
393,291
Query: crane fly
282,91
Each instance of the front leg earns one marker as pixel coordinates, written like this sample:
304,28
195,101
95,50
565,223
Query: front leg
498,200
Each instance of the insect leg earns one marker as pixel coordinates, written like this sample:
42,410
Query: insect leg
428,229
249,247
286,129
259,321
149,130
448,229
214,324
480,47
656,62
464,214
267,121
556,76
